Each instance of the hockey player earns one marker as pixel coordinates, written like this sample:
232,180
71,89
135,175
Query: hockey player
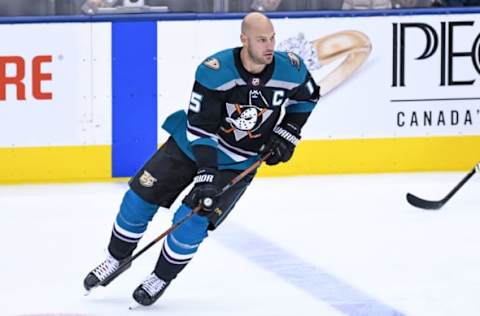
234,116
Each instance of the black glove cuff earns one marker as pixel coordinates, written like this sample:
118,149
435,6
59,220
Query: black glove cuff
205,175
288,132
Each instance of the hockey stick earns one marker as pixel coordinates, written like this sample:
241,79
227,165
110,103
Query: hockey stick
174,226
435,205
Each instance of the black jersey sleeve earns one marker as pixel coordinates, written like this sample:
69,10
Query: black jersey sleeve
206,107
302,102
204,118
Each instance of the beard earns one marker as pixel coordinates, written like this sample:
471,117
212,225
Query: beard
259,60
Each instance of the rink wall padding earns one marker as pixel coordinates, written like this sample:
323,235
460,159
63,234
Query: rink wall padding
97,89
380,156
55,164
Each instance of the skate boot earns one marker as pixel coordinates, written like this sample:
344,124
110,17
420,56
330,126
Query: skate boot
109,267
150,290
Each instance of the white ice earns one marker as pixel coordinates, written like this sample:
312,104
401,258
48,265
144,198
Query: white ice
324,245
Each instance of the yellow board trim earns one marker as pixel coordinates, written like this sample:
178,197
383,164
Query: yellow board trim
380,156
93,163
55,164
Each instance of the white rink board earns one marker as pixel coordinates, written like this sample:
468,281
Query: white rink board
366,105
79,111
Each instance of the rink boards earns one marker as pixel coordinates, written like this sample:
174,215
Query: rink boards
85,99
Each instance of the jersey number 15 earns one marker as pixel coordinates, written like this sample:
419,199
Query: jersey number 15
195,102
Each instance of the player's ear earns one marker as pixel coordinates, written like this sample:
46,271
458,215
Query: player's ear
243,39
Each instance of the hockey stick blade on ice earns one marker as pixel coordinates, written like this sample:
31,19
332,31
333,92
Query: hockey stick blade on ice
436,205
239,177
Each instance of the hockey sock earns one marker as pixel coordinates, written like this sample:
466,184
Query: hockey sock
180,246
130,224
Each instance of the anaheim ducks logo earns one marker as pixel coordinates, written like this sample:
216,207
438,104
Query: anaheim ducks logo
147,180
244,120
212,63
247,118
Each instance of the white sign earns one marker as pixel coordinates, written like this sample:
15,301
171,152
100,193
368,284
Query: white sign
55,84
421,77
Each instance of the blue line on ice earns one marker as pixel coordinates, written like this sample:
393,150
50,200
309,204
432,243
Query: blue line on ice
309,278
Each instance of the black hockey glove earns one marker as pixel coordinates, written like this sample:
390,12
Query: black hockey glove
204,191
282,143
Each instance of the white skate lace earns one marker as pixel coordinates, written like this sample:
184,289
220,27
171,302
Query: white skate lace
106,268
153,284
303,48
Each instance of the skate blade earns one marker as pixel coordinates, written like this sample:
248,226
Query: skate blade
88,292
134,306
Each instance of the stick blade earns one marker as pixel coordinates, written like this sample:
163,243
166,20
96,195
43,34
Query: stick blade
423,204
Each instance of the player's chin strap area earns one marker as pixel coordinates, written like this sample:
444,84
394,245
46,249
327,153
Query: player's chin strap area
195,210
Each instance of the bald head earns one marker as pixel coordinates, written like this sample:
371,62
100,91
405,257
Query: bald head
258,40
256,22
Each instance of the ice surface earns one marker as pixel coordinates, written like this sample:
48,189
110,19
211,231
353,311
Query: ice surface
324,245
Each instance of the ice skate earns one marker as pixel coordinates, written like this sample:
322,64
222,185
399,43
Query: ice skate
109,267
150,290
